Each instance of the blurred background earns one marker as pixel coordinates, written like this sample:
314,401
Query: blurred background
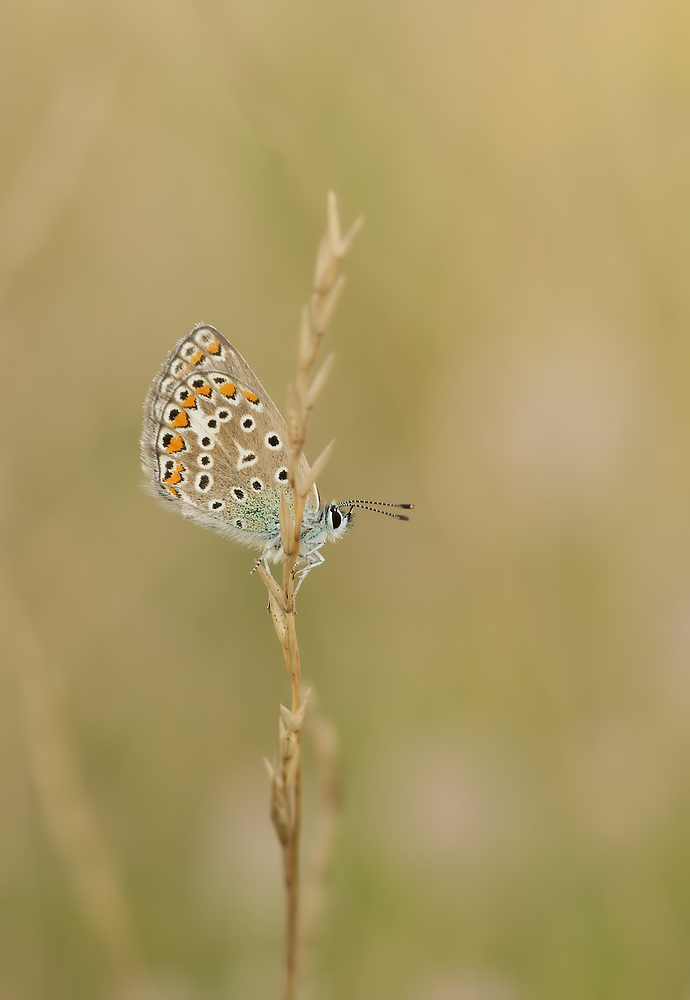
509,673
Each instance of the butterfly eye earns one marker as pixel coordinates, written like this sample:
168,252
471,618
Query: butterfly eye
336,518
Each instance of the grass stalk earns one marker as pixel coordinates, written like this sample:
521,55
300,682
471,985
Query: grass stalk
286,780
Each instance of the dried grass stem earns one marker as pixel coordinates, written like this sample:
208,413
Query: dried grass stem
286,780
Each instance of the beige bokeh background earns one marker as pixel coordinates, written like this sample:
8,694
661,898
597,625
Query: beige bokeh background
509,673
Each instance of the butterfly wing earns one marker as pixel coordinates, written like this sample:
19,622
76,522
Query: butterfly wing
214,442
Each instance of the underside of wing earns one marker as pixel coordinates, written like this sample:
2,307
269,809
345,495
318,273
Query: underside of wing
214,442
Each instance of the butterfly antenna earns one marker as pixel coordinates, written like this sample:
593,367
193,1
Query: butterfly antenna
375,504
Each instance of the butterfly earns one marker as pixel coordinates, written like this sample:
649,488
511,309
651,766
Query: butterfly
215,445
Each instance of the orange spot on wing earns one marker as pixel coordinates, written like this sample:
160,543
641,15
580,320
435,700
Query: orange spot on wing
228,389
214,348
196,358
175,476
176,444
205,390
250,396
181,420
190,401
173,491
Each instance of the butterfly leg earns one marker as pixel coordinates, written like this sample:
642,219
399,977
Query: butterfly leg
312,559
263,561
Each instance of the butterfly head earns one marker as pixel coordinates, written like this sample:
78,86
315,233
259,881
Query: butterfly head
326,524
337,521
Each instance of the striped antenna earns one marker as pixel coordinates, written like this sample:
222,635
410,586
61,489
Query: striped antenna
375,504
